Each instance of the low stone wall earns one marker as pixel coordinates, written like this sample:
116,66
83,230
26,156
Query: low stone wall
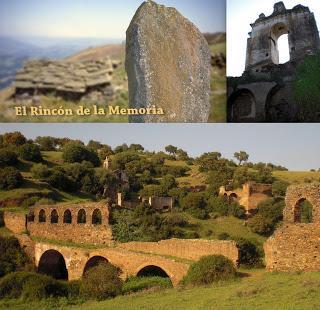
188,249
16,222
294,247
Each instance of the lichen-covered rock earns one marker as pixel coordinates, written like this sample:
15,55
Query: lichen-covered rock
168,66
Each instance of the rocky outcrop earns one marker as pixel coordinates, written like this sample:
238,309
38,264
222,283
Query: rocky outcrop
168,66
78,78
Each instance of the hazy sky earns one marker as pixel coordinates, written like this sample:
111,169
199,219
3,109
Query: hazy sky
240,14
95,18
292,145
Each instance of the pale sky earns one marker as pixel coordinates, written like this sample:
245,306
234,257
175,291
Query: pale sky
242,13
96,18
292,145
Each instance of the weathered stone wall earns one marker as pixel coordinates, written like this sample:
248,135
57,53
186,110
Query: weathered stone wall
295,246
88,232
16,222
188,249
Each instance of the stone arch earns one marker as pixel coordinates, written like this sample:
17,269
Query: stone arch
54,217
277,31
297,194
233,197
279,104
42,216
67,217
93,262
52,263
82,217
97,217
242,106
150,269
30,216
301,214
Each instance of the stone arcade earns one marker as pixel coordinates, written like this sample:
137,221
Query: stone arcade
264,93
41,232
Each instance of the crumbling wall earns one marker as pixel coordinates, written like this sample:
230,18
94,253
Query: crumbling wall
16,222
188,249
87,231
295,246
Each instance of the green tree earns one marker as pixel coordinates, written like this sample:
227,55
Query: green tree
241,156
171,149
40,171
14,138
10,178
8,158
30,152
279,188
47,143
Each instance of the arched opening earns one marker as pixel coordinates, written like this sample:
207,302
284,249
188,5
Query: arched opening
52,263
233,198
152,271
280,52
283,47
279,105
67,217
54,217
93,262
82,217
303,211
96,217
30,217
242,106
42,216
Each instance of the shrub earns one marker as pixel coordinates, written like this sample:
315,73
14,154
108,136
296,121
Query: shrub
135,284
29,202
8,158
101,282
195,204
279,188
12,257
32,286
74,152
40,171
261,225
249,253
10,178
210,269
30,152
59,180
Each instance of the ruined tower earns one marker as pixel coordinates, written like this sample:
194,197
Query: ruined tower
264,93
300,25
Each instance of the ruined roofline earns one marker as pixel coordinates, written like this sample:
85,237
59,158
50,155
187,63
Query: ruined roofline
296,9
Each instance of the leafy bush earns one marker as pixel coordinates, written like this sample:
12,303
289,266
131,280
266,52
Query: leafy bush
279,188
59,180
210,269
250,255
8,158
135,284
195,204
10,178
14,138
31,286
40,171
30,152
12,257
31,201
74,152
101,282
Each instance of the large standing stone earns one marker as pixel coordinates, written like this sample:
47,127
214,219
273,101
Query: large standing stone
168,66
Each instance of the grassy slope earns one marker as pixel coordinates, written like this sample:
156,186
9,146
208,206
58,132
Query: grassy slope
297,176
259,290
218,113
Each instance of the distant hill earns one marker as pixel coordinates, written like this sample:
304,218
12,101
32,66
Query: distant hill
215,38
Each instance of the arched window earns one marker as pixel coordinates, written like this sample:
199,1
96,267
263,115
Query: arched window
280,52
54,217
30,217
242,106
42,216
96,217
303,211
67,217
82,217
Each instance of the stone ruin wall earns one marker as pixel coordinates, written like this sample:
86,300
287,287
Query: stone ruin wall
74,232
295,246
188,249
16,222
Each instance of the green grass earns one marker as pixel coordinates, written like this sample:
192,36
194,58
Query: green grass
231,225
258,290
297,176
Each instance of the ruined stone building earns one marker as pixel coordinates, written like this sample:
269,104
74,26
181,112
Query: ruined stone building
69,80
295,245
264,93
249,196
